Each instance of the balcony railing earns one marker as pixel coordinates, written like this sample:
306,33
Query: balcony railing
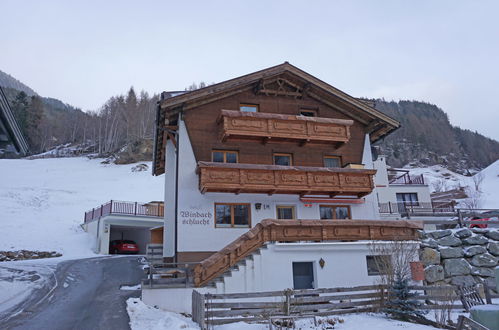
404,178
418,209
273,179
153,209
277,127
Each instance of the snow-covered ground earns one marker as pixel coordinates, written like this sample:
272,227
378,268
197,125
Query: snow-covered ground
42,201
438,176
144,317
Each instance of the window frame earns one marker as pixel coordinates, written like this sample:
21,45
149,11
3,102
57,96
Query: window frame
333,207
225,152
282,154
250,105
331,157
408,203
377,272
232,205
293,207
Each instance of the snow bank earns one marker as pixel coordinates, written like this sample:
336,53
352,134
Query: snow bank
42,201
490,186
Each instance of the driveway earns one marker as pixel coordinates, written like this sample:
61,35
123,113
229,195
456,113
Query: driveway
85,295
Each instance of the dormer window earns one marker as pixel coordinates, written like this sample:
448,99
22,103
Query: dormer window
248,107
308,113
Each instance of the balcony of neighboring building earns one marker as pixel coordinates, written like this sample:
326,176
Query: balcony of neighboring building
277,179
133,210
402,177
265,127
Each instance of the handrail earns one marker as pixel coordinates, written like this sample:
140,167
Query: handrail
151,209
301,230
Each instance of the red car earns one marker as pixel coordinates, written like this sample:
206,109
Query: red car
485,216
123,247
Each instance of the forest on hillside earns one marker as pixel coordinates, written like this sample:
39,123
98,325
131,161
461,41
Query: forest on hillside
124,126
426,137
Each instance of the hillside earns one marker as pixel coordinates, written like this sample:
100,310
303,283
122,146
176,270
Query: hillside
6,80
43,201
427,138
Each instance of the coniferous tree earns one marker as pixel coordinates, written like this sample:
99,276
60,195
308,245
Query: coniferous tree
401,304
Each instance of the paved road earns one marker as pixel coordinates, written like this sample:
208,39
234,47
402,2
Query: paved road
87,296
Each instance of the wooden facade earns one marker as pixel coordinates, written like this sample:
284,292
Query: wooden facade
271,179
280,94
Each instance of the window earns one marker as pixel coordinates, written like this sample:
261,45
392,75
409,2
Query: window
286,212
283,159
308,113
408,199
232,215
303,275
335,212
248,107
378,265
332,161
224,156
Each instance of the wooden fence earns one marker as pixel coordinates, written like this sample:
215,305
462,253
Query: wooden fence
214,309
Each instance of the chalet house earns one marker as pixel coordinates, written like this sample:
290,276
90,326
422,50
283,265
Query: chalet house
246,160
12,141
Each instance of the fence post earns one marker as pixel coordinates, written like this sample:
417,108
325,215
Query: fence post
382,297
93,210
390,207
111,209
135,208
459,218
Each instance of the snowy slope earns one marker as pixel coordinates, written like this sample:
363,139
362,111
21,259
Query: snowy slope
42,201
489,188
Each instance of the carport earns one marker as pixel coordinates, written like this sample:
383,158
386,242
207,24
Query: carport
123,220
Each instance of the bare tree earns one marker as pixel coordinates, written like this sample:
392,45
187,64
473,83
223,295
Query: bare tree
392,259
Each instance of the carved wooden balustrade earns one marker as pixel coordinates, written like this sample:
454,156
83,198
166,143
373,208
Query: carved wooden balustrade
273,179
269,126
271,230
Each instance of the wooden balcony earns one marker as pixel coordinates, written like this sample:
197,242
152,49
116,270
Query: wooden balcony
272,179
276,127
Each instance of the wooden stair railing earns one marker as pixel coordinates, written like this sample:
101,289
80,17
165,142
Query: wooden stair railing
271,230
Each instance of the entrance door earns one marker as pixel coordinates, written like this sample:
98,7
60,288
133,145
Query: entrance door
303,275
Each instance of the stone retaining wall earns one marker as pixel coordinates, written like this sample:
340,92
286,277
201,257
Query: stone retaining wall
460,256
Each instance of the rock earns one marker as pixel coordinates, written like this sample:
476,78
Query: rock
482,271
454,267
463,280
493,248
430,256
430,242
475,240
463,233
439,233
477,230
493,234
450,252
434,273
484,260
449,241
474,250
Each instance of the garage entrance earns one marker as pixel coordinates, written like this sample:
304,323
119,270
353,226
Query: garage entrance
140,235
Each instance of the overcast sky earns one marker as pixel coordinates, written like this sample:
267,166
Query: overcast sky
443,52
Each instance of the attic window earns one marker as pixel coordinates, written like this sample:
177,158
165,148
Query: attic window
248,107
308,113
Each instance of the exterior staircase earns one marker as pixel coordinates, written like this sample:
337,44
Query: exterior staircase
219,267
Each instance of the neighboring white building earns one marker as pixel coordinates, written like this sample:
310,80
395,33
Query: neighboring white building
398,193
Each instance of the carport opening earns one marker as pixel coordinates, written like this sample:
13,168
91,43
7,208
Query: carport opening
141,236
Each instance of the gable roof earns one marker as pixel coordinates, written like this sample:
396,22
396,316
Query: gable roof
378,124
11,127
